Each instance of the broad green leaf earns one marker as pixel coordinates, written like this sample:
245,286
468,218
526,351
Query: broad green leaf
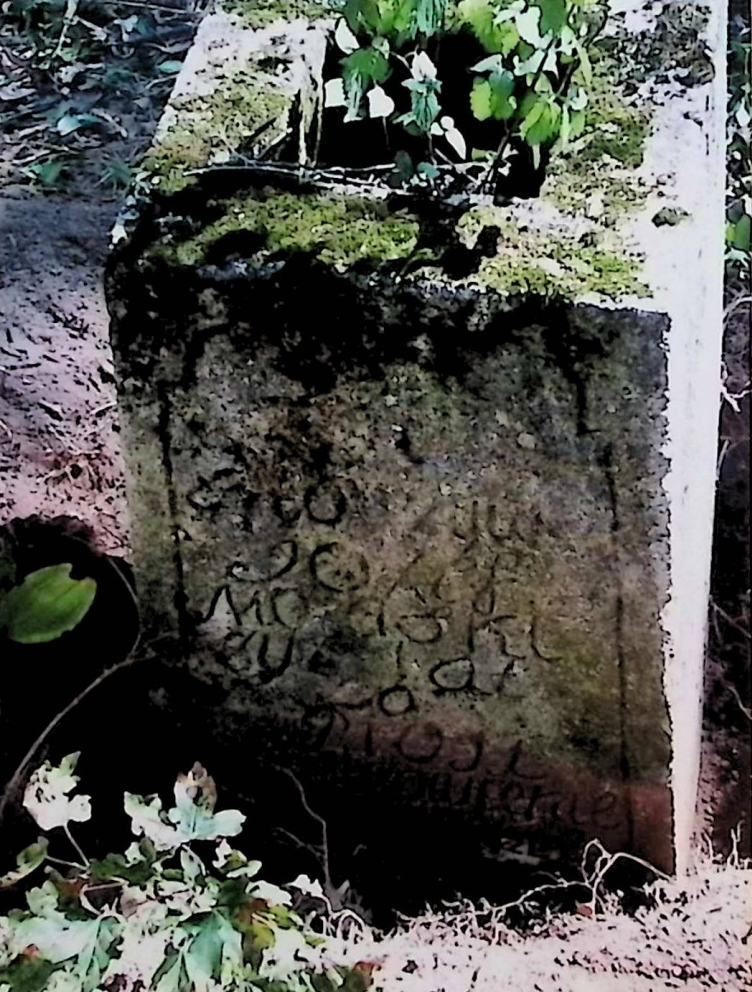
541,125
26,862
492,97
116,866
46,796
424,89
86,942
94,956
28,973
494,63
148,818
214,953
553,15
360,70
481,100
742,230
171,975
540,61
192,817
46,605
43,901
480,17
503,104
366,65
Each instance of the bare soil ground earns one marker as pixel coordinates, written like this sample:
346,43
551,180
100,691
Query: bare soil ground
58,420
59,454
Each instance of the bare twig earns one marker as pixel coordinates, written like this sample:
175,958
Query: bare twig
75,845
732,398
65,864
605,863
319,819
735,693
730,620
17,777
70,14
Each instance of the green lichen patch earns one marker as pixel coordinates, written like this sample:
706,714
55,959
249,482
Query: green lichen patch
263,13
551,262
617,126
673,47
596,177
244,105
604,194
335,230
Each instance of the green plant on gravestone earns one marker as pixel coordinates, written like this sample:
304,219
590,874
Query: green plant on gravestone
530,78
45,605
157,917
739,145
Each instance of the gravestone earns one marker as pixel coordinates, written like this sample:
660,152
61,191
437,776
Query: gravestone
423,494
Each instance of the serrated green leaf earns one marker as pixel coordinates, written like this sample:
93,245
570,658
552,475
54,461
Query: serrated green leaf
360,70
214,952
365,65
58,939
480,99
47,604
171,975
480,18
429,16
541,124
192,817
492,97
26,862
116,866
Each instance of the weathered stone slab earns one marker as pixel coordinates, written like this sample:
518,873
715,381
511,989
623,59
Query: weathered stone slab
399,474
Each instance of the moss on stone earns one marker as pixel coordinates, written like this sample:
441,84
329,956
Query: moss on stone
616,128
596,177
337,231
551,262
224,120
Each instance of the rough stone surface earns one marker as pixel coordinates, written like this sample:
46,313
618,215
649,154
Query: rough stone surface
399,480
